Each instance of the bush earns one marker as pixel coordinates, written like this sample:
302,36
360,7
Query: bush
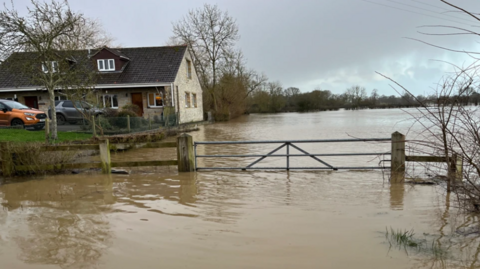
35,159
131,107
125,113
110,113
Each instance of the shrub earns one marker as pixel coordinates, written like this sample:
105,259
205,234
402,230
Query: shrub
110,113
125,113
35,160
131,107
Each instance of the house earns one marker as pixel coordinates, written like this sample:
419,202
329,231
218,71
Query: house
151,77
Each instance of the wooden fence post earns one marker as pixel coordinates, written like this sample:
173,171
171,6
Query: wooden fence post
128,123
93,126
47,130
105,156
186,160
456,167
7,162
398,158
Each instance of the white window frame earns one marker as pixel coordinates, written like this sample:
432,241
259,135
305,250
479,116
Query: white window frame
187,99
194,99
111,100
155,94
110,62
53,65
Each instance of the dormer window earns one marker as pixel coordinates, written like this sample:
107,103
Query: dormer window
106,65
50,66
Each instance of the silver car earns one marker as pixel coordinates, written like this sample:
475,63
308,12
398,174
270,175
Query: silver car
66,111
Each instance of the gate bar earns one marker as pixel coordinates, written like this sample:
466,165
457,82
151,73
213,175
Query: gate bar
283,168
271,152
293,141
299,155
313,157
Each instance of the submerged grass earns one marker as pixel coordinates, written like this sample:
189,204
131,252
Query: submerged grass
407,241
21,135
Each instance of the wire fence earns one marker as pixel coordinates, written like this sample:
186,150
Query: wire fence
121,125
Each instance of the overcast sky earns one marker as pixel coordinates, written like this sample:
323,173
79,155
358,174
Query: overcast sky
309,44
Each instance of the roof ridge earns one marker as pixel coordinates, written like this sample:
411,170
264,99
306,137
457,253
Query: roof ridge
148,47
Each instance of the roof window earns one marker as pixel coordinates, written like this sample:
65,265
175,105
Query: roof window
106,65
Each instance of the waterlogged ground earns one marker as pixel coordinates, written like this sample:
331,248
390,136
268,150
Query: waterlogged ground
157,218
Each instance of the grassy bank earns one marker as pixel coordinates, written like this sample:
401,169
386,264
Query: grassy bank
20,135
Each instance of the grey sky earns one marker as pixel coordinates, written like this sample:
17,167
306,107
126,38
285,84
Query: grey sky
327,44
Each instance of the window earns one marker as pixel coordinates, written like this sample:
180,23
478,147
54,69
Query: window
47,66
194,99
110,101
106,65
60,97
189,69
155,99
187,99
67,104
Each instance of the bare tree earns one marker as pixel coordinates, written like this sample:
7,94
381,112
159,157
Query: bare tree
210,35
43,47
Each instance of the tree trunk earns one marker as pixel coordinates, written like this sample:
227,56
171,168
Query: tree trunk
53,130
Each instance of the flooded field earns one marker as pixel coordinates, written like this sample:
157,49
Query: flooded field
157,218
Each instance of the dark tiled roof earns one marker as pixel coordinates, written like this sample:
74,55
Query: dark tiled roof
146,65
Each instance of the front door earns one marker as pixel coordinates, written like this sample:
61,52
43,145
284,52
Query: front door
31,101
137,99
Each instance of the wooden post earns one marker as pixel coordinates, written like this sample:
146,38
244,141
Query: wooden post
185,156
93,126
398,158
128,123
459,166
47,130
7,162
456,167
105,156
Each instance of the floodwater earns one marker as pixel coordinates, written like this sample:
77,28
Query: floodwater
157,218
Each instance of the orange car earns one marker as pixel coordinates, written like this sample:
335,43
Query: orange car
13,114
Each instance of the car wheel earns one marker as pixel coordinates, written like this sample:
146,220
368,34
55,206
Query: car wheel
61,119
16,122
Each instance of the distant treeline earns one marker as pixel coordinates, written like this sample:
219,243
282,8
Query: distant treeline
272,98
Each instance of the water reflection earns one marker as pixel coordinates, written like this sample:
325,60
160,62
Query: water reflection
61,222
397,193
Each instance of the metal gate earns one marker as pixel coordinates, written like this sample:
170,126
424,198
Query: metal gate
290,144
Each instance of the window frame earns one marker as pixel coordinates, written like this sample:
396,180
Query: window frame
189,69
106,62
194,100
155,94
110,96
187,100
53,65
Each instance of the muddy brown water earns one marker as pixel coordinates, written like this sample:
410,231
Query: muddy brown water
157,218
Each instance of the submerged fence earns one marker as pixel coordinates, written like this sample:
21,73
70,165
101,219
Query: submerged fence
184,162
397,154
187,156
288,144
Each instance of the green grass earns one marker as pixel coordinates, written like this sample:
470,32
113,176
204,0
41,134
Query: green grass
20,135
407,241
